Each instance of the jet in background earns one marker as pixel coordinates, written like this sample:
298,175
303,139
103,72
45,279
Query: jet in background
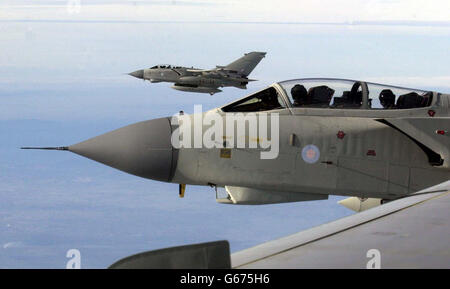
192,79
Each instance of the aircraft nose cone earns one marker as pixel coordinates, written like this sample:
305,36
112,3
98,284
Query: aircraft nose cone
137,74
143,149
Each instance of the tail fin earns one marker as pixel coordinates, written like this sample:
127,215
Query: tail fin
245,65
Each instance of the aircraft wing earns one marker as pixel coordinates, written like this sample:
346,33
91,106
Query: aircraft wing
242,66
412,232
224,74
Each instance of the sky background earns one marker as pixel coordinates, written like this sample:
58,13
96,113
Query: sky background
63,79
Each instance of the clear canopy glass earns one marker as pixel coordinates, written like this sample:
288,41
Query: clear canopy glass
352,94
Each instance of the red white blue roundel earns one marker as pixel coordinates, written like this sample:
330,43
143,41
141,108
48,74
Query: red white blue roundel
310,154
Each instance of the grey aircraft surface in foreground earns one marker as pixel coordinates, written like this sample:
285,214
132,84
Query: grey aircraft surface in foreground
336,137
192,79
375,143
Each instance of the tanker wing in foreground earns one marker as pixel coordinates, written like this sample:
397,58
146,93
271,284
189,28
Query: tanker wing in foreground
411,232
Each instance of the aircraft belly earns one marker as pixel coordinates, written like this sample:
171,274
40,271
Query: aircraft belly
421,178
195,88
343,156
398,179
315,155
315,177
424,131
200,81
244,168
362,177
187,167
374,161
377,161
163,76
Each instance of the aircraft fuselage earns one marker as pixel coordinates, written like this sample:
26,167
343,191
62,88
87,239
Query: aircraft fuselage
278,145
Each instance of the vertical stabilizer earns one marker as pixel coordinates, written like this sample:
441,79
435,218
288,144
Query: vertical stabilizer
245,65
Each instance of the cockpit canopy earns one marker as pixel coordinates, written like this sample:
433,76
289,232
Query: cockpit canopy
164,66
351,94
332,94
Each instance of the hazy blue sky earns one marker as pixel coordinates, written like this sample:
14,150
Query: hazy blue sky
62,80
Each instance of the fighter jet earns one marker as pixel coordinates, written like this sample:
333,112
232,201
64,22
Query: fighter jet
204,80
315,138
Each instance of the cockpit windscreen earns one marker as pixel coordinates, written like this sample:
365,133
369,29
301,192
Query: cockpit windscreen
264,100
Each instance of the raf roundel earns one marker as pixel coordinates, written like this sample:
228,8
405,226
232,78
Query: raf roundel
310,154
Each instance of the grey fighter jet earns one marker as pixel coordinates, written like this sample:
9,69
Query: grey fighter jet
372,142
192,79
